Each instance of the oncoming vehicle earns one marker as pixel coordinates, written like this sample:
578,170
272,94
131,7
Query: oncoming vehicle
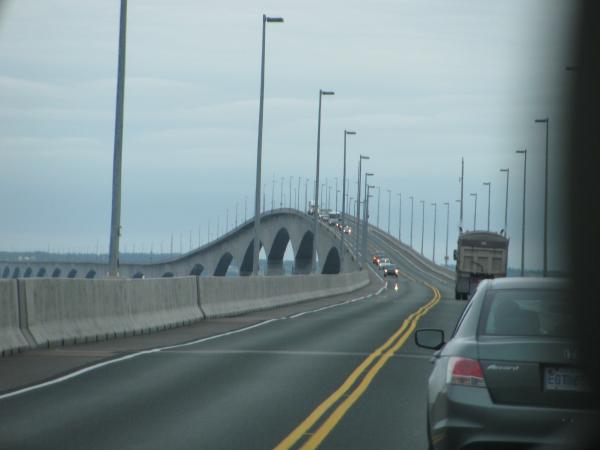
384,262
376,257
511,373
391,270
347,229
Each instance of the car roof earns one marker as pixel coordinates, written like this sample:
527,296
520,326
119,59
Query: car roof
529,283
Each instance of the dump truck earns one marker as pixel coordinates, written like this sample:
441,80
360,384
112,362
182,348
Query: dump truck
479,255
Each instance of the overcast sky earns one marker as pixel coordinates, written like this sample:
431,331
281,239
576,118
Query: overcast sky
423,83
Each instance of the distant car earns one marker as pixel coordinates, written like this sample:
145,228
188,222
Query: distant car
384,262
347,229
511,375
377,257
391,270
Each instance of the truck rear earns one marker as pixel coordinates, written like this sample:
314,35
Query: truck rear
480,255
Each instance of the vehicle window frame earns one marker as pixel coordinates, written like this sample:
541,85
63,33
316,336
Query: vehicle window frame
461,319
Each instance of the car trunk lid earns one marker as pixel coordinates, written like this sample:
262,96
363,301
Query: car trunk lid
532,370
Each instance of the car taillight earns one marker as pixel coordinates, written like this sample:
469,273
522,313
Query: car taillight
464,372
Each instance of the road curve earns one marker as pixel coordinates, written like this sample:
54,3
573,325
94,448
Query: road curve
335,377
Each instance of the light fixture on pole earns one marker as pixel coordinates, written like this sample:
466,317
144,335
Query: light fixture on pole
506,203
475,212
524,153
316,222
256,242
489,185
545,268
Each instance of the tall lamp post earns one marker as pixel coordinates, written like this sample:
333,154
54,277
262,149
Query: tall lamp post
545,273
434,227
422,225
256,244
447,204
378,198
358,247
506,203
389,191
399,217
524,153
346,133
412,210
365,229
475,212
316,232
115,221
489,185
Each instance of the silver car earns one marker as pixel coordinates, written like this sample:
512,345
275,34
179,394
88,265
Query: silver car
511,376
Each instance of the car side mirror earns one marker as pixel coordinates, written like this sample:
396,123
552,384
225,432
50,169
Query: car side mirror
454,254
432,339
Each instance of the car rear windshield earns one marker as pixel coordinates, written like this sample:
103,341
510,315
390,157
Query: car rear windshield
528,312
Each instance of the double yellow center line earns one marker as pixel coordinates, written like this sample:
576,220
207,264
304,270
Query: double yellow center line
371,365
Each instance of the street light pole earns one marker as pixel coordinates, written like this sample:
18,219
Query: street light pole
358,229
434,226
273,193
545,272
475,213
447,230
399,217
489,185
256,243
290,197
115,222
281,192
365,230
316,222
298,195
336,194
306,195
524,153
412,210
506,202
389,191
342,251
378,198
422,225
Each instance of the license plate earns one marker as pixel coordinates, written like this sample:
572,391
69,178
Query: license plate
565,379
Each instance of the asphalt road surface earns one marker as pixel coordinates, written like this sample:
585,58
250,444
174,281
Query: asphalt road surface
344,377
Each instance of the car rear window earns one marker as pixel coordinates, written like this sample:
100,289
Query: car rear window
527,312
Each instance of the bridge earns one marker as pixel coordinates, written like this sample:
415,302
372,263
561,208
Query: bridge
279,228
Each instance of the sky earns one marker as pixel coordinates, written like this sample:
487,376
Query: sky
423,83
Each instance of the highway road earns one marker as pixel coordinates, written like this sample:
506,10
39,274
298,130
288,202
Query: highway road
345,377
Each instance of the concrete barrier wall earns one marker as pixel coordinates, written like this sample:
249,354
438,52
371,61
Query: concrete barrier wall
11,337
45,311
73,310
228,296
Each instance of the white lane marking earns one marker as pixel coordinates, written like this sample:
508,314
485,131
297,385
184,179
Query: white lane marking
294,316
97,366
